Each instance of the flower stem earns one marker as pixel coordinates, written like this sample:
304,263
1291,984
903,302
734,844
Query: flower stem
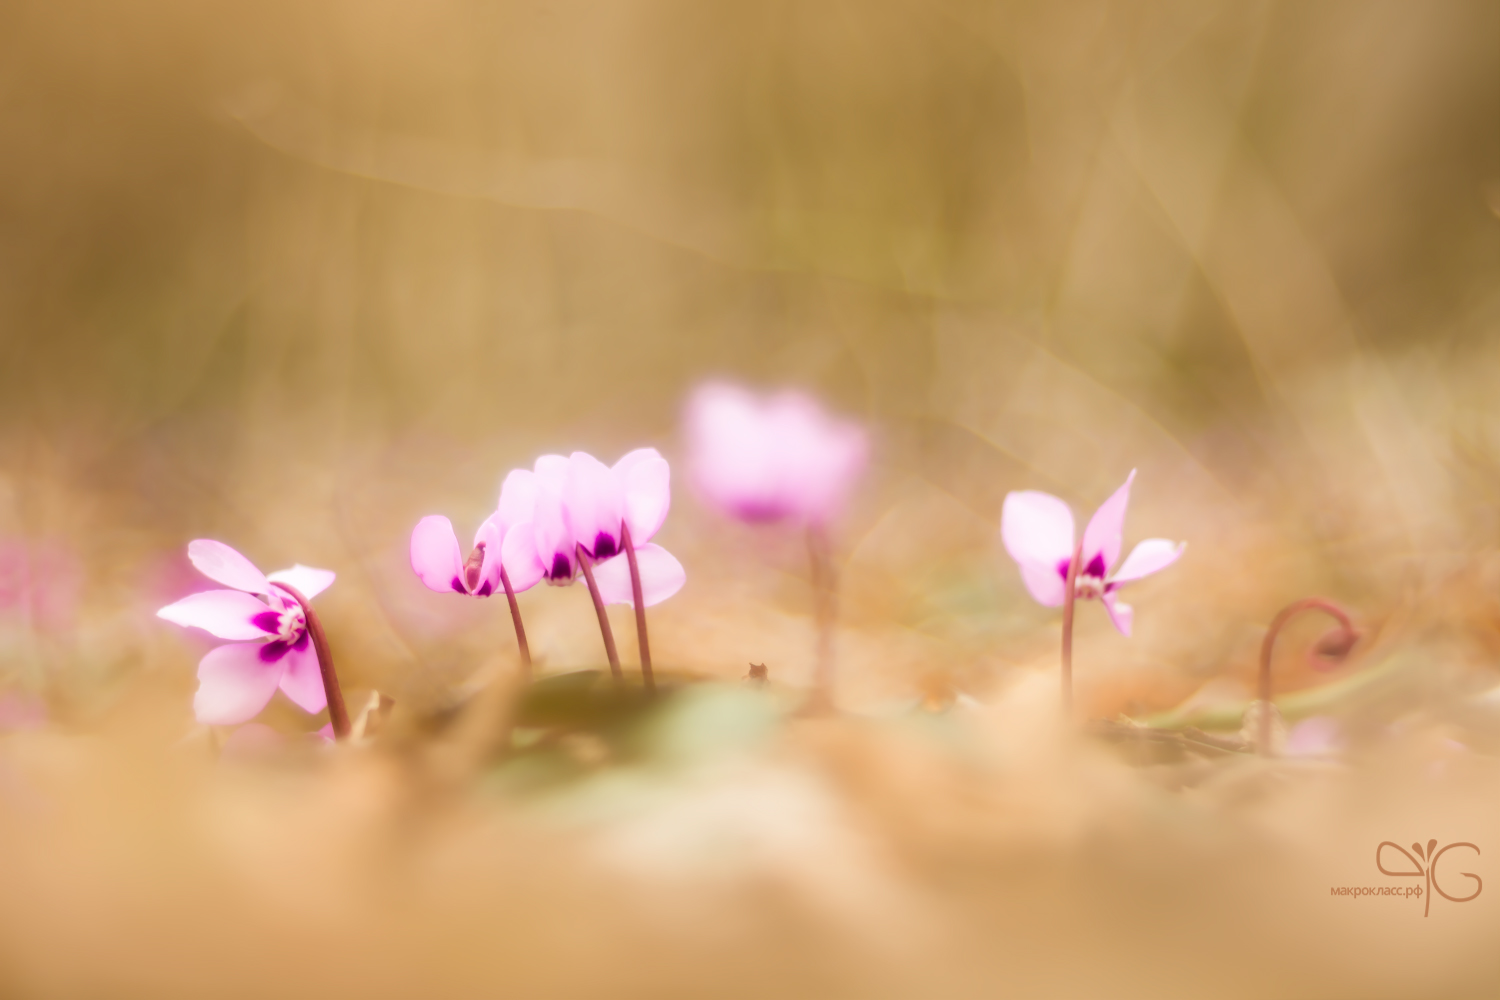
586,563
1286,614
515,616
648,678
825,584
338,715
1069,599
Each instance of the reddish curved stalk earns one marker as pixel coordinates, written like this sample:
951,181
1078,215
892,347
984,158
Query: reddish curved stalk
647,677
1069,599
1286,614
515,617
338,715
586,563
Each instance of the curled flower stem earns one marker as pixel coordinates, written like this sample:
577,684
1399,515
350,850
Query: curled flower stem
647,677
1069,599
338,715
825,585
1286,614
515,617
587,565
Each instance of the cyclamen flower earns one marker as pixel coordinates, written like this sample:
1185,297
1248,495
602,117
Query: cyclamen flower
579,503
772,459
1037,529
780,458
236,681
440,564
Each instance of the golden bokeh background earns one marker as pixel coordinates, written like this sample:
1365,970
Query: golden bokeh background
292,275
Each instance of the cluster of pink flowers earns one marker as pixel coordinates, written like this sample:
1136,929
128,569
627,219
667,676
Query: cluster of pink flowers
563,517
776,459
548,518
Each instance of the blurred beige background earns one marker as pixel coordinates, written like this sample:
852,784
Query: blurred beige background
292,275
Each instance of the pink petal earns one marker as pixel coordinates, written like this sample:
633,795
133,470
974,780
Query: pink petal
822,457
551,472
661,577
518,497
234,684
252,740
1123,615
491,535
435,557
523,565
1316,736
1045,584
732,453
646,480
539,495
593,505
302,681
1037,529
1105,534
228,614
762,461
222,564
309,582
1148,557
555,548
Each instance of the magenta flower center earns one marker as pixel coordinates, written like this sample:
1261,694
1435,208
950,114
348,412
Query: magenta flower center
1089,584
604,546
561,571
288,624
761,511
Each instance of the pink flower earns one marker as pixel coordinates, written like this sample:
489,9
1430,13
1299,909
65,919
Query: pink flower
1037,529
579,502
42,580
440,564
236,681
21,711
1316,736
772,459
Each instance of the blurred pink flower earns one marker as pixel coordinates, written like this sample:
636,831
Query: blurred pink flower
40,579
1037,529
774,458
1316,736
21,711
252,741
256,741
440,563
236,681
579,502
